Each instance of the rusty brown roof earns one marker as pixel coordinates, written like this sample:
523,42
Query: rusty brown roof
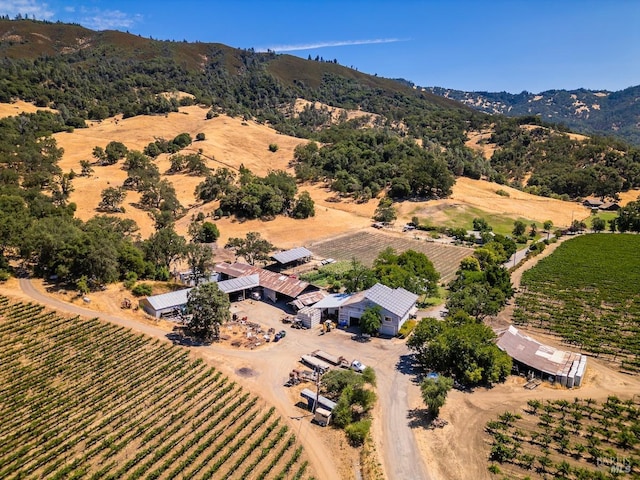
529,351
284,284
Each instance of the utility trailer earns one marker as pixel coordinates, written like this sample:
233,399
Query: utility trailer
332,359
315,363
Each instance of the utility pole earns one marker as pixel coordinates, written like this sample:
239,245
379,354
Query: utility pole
315,403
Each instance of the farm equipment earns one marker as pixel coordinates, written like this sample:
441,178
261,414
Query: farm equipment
327,326
298,376
126,304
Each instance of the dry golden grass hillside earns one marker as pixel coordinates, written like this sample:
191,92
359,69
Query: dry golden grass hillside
231,142
18,107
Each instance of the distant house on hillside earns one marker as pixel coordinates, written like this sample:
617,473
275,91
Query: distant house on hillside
592,203
610,206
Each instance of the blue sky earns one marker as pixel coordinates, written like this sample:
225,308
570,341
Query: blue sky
500,45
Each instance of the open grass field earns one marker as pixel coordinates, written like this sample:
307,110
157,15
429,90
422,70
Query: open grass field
87,399
365,246
580,439
587,292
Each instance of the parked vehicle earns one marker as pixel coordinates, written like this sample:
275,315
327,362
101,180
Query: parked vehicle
358,366
315,363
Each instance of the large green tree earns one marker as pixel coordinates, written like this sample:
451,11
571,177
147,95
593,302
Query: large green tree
410,270
434,393
207,309
200,260
253,248
460,347
371,320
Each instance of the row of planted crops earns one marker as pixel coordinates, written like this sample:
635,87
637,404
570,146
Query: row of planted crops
581,439
588,293
80,398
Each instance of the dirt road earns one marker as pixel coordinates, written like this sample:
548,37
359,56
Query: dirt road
264,371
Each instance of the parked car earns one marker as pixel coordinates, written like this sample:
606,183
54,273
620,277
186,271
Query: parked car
279,335
358,366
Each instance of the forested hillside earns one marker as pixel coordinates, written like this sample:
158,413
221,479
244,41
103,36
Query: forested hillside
413,147
597,112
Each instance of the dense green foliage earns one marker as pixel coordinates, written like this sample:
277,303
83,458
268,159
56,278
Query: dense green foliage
460,347
434,393
253,248
483,284
248,196
580,440
102,394
371,320
355,399
207,309
563,166
122,73
410,270
628,218
361,163
587,292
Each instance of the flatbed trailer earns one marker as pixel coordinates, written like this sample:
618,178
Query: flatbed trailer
332,359
315,363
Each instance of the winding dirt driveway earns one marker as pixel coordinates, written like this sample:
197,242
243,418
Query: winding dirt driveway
268,369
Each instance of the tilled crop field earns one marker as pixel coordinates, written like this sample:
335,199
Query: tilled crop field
365,247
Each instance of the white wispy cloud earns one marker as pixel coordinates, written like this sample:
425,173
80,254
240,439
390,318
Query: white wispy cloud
40,10
339,43
96,19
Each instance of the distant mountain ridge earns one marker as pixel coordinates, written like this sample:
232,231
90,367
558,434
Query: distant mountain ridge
598,112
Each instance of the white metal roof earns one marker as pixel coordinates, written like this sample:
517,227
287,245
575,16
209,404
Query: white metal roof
169,300
334,300
398,301
240,283
292,255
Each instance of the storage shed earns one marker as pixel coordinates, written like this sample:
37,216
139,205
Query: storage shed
309,316
323,402
295,255
532,357
165,305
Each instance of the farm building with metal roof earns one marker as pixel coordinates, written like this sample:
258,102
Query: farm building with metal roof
274,285
396,306
534,358
166,304
299,254
172,303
